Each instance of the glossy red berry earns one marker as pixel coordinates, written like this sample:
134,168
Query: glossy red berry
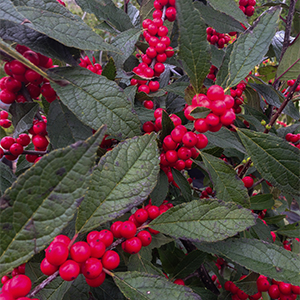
141,215
177,133
202,141
40,141
273,291
47,268
148,104
7,96
128,229
145,237
263,284
189,139
92,268
171,156
6,142
80,251
215,92
285,288
179,281
96,281
19,286
110,260
23,139
106,237
133,245
13,84
57,253
16,149
248,182
153,212
171,14
69,270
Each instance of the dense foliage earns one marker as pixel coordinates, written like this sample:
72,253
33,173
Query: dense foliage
151,152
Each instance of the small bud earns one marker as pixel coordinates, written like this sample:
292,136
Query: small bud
263,122
251,165
248,159
268,126
244,161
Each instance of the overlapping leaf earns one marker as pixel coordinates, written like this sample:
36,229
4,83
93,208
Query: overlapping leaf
259,256
211,220
276,160
95,101
124,178
8,12
7,177
43,200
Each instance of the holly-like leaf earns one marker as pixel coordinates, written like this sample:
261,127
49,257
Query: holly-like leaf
291,230
110,71
228,186
106,10
262,201
177,88
7,177
251,46
194,50
78,290
8,12
276,160
259,256
183,184
167,125
248,284
290,64
56,185
124,178
253,98
230,8
207,220
158,195
95,101
107,291
200,112
63,127
126,41
142,286
261,231
220,21
57,22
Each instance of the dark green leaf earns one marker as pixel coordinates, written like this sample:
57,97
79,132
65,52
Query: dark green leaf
78,290
158,195
230,8
60,24
167,125
220,21
176,88
275,159
126,42
290,63
260,202
207,220
261,231
251,46
56,185
191,262
248,284
7,177
183,184
107,291
204,293
224,138
267,73
124,178
8,12
63,126
106,10
200,112
253,98
110,71
194,50
259,256
22,116
274,219
22,163
95,100
291,230
227,184
217,56
141,286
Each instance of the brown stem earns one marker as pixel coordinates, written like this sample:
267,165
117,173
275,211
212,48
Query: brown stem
257,182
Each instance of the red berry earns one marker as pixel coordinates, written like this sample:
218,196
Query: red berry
97,248
148,126
215,92
96,281
189,139
7,96
3,114
128,229
17,68
148,104
285,288
212,119
202,141
80,251
145,238
153,212
263,284
40,141
19,286
162,31
159,67
179,281
110,260
248,182
47,268
6,142
171,156
106,237
57,253
12,84
144,88
115,229
200,125
184,153
141,215
16,149
23,139
228,118
69,270
171,14
133,245
273,291
92,268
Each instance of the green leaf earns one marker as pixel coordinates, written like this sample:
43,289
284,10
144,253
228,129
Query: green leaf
261,231
167,125
7,177
227,184
140,286
158,195
262,201
217,56
230,8
194,50
126,42
291,230
124,178
259,256
95,100
63,126
251,46
220,21
248,284
177,88
106,10
22,116
183,184
191,262
110,71
253,98
274,219
8,12
57,22
290,63
200,112
78,290
224,138
207,220
276,160
204,293
56,185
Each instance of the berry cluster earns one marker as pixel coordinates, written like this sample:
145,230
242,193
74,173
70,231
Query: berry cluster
247,7
20,76
93,67
293,139
205,194
155,34
236,93
292,82
212,73
216,38
4,121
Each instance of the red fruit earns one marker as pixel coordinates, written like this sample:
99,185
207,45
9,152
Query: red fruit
148,104
146,59
169,143
148,126
31,158
47,90
166,40
145,238
7,96
4,279
249,11
159,67
227,285
229,101
171,156
80,251
175,119
184,153
16,149
153,41
115,229
6,296
202,141
157,5
285,288
218,107
141,215
20,99
110,260
96,281
248,182
6,142
62,239
146,23
93,235
133,220
263,284
12,84
33,90
128,229
106,237
171,14
153,212
69,270
97,248
153,86
212,119
23,139
40,128
256,296
162,31
3,114
133,245
11,157
43,60
91,268
57,253
19,286
162,57
228,118
152,30
242,295
47,268
215,92
273,291
5,123
40,141
179,281
144,88
296,289
160,47
34,77
233,288
200,125
17,68
189,139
